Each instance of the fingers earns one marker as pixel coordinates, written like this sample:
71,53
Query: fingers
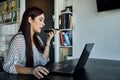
40,72
51,34
52,30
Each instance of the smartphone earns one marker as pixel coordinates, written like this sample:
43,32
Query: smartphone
49,30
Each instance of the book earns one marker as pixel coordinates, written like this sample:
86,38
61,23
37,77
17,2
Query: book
61,38
18,4
70,52
3,18
14,16
71,22
18,15
4,7
61,18
60,22
69,33
9,17
67,39
13,5
65,21
65,18
63,53
9,5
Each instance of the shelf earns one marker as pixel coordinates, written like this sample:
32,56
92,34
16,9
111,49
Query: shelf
3,45
9,22
64,37
10,11
65,30
66,46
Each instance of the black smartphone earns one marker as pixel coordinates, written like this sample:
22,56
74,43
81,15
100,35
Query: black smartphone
49,30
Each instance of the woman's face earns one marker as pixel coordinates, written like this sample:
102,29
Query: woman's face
37,24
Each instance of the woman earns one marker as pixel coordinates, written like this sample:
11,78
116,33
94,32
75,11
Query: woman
26,50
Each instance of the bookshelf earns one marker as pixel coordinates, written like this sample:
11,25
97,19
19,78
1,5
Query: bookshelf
64,38
10,14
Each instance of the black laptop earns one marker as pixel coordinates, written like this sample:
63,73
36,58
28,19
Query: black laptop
71,66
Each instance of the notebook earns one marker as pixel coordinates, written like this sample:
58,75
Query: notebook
71,66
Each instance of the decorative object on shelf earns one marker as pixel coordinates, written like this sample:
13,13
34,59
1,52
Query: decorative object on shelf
9,11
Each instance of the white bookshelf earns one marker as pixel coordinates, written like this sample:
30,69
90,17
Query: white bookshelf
60,5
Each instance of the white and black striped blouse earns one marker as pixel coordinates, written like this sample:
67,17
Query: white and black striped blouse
16,55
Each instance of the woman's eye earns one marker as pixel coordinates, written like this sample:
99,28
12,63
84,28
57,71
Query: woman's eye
40,19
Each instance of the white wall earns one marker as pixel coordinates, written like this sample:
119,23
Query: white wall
102,28
22,8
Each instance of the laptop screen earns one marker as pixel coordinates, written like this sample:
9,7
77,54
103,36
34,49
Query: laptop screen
84,56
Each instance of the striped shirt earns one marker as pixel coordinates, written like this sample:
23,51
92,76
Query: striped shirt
16,55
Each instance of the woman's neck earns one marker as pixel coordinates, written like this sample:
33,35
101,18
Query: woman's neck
32,39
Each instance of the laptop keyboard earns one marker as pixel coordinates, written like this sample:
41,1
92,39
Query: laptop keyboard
66,69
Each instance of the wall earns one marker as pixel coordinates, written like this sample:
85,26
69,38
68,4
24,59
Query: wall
22,8
102,28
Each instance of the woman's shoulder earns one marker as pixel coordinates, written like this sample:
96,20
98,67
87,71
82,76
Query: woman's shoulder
18,37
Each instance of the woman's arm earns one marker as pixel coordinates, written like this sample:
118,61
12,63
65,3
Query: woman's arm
23,70
38,72
15,53
47,46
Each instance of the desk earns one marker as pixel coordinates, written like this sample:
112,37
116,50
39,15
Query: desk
95,69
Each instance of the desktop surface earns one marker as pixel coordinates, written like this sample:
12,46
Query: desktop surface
95,69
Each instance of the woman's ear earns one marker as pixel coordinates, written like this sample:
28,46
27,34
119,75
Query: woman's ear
29,19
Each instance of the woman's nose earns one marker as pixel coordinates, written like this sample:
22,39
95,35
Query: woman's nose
43,23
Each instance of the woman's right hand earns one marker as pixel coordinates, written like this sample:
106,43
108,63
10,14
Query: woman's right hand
40,72
51,34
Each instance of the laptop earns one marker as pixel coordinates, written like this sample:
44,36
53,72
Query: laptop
69,67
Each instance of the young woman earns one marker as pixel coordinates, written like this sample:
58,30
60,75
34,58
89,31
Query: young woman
26,50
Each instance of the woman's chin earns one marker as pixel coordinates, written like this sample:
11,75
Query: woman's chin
39,31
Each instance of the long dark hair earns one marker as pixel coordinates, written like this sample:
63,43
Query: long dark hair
25,29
